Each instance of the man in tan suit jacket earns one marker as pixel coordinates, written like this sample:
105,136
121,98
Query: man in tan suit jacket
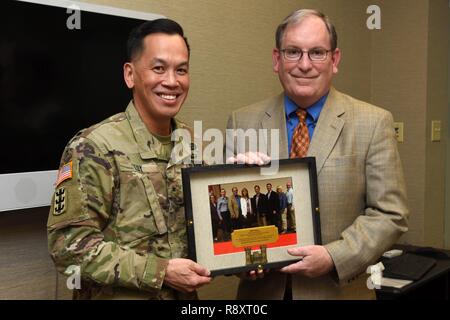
233,206
362,195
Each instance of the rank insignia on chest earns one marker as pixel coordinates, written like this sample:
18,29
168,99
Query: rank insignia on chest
137,167
59,207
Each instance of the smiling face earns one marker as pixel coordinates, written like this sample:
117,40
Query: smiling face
304,81
159,79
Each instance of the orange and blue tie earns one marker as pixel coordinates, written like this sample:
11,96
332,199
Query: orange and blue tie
300,139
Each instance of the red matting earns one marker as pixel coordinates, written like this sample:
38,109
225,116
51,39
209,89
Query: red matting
227,247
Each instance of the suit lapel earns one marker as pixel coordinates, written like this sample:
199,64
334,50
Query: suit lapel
328,129
274,118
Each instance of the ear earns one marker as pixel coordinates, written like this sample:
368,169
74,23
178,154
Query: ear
276,56
336,58
128,74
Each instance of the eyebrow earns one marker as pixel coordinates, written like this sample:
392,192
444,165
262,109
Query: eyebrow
313,48
159,60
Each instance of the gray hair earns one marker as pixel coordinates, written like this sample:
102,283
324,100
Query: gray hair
300,15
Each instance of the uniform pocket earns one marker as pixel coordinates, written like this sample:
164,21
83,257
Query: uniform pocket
139,216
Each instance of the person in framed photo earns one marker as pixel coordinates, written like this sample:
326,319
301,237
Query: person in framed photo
259,204
234,206
273,206
216,218
283,210
247,210
362,194
118,209
290,206
224,212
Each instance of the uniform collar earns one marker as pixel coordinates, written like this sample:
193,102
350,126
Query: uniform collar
148,143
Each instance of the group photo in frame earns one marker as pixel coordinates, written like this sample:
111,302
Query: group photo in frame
239,219
251,204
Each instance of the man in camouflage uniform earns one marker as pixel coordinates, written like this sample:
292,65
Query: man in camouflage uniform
117,211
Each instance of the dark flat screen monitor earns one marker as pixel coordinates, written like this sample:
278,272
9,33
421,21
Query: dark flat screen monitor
59,73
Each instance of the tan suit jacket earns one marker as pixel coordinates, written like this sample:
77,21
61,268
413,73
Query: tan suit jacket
233,207
362,194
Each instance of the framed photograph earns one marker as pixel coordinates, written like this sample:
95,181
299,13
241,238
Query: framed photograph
241,218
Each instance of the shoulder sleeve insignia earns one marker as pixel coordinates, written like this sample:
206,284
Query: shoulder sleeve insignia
59,207
64,173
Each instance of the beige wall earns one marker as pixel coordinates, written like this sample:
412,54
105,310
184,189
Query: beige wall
437,97
447,188
413,52
410,55
399,85
402,67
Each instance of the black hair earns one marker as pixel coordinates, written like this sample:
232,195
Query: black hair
137,35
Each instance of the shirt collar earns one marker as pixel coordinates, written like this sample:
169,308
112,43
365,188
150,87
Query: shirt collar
141,134
313,111
147,143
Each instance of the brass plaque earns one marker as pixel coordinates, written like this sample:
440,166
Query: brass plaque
254,236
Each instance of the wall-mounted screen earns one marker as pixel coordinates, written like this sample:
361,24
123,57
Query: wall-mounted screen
60,71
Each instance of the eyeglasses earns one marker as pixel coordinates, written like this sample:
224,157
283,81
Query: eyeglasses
315,54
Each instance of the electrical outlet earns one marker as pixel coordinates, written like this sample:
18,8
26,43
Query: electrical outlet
398,126
435,131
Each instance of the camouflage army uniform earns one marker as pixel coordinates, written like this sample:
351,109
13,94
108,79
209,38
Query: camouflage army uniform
121,216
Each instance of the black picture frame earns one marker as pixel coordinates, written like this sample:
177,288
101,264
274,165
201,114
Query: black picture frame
196,182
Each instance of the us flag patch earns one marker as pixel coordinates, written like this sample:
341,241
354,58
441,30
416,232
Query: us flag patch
64,173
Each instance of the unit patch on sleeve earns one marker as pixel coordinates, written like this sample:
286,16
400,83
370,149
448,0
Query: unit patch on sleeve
64,173
59,207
